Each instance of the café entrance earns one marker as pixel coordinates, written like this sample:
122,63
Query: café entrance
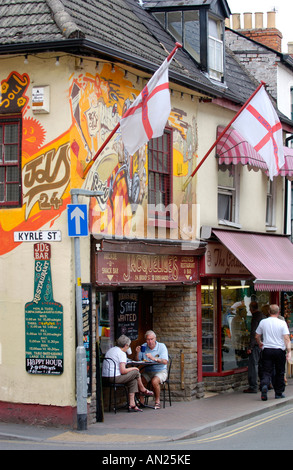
123,311
143,285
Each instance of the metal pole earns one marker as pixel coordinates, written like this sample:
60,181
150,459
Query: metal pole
81,380
81,365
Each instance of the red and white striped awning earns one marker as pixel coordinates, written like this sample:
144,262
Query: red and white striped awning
232,148
287,169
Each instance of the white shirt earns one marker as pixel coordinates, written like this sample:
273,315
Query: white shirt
273,330
118,356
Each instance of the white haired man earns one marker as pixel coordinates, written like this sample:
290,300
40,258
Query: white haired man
273,336
156,374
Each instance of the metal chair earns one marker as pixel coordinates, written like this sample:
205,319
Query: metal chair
111,366
167,382
164,384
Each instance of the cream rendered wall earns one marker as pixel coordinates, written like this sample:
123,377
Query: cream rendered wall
253,184
206,179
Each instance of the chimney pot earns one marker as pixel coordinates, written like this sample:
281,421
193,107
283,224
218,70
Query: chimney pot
247,20
236,20
259,20
290,48
271,15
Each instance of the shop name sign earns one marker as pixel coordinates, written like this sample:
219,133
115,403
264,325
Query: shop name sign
38,236
219,260
119,268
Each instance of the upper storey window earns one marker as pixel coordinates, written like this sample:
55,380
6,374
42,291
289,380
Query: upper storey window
199,29
216,50
185,27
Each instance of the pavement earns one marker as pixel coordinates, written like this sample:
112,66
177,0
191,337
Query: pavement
182,420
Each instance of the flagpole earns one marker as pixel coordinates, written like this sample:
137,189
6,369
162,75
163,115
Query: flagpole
90,164
221,135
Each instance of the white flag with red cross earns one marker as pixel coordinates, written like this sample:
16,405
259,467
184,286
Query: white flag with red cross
147,116
259,124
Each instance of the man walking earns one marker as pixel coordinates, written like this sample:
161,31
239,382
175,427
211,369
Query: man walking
272,335
253,349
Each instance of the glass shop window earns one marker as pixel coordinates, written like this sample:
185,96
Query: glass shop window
226,322
209,331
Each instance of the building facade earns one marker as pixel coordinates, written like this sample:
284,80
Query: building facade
155,256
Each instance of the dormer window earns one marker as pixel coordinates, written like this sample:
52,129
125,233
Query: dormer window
198,27
216,50
185,28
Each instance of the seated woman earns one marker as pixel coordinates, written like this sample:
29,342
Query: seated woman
129,376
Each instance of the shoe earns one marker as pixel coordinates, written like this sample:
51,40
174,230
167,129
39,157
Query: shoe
264,393
157,406
249,390
280,396
147,393
134,409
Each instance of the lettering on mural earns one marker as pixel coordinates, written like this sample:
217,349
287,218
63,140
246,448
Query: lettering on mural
13,99
46,178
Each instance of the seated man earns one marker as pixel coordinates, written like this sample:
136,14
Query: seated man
157,374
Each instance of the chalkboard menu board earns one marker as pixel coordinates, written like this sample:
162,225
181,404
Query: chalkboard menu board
43,320
127,314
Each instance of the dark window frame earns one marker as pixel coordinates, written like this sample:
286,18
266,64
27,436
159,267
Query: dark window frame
162,170
6,121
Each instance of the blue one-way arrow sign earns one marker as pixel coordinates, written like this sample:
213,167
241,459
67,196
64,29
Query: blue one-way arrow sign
77,220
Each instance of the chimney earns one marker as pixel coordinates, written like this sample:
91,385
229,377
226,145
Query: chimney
290,48
271,15
236,21
247,20
269,36
258,20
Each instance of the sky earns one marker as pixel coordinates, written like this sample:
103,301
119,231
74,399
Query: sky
284,15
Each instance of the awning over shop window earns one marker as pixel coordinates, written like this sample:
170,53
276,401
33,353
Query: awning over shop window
287,169
232,148
269,258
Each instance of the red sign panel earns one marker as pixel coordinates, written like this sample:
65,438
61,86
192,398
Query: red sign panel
126,268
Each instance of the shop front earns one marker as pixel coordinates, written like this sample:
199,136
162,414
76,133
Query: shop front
142,285
238,268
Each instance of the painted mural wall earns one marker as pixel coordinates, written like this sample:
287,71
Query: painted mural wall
84,106
97,101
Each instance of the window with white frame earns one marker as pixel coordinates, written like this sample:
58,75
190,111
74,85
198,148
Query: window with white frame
201,34
216,58
228,191
270,209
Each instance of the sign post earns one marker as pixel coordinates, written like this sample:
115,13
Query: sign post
77,227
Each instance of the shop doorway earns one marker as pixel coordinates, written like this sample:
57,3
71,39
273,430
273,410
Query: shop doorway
123,311
128,312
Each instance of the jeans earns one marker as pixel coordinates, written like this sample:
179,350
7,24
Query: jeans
274,360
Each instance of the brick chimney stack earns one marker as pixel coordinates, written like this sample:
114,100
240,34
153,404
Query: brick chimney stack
269,36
